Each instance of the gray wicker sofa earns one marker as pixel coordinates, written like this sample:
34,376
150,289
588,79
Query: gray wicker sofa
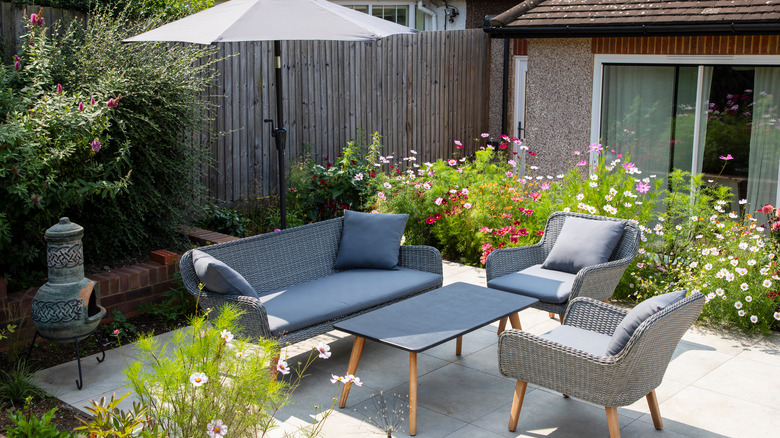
301,295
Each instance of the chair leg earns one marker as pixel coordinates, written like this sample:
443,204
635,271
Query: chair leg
652,401
612,422
552,315
502,325
517,404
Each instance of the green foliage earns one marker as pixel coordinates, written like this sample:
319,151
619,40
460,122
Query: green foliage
168,9
139,100
324,192
17,385
203,377
111,422
223,220
178,304
27,425
119,328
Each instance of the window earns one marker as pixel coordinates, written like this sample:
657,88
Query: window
719,118
395,13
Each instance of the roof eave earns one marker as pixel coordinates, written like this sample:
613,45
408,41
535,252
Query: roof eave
633,30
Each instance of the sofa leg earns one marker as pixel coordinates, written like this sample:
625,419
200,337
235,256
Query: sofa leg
612,422
552,315
652,401
517,404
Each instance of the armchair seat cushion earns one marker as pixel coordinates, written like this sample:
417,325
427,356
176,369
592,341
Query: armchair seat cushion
579,339
545,285
312,302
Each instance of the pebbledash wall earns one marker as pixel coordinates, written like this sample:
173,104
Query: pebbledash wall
559,87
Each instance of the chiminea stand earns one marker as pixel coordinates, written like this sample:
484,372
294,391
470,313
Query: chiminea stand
75,339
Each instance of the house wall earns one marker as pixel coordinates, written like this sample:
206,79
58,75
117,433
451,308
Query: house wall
558,100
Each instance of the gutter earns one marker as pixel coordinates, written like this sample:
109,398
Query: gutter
429,13
631,30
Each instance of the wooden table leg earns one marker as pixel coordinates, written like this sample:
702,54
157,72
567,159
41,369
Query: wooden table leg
501,325
515,320
412,394
354,358
458,345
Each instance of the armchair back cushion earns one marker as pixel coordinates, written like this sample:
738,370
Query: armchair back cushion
583,242
637,315
218,277
370,240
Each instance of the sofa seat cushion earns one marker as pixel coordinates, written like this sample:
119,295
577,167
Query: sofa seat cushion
340,294
544,284
579,339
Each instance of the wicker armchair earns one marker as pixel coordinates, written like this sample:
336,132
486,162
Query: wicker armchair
598,281
619,380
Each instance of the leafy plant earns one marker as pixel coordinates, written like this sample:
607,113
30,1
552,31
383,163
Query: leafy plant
120,328
17,385
223,220
110,421
27,425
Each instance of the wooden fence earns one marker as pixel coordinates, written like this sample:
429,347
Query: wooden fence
419,92
12,26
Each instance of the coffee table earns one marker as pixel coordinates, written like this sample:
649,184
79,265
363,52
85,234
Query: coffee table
427,320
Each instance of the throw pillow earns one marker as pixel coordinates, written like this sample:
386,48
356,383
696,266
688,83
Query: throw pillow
219,277
583,242
637,316
370,240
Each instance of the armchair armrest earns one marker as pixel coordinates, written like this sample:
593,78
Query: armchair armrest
599,281
253,322
589,314
508,260
420,257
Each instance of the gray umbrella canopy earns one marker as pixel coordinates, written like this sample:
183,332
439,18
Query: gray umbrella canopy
274,20
269,20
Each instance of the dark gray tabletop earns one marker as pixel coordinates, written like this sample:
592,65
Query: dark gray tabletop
435,317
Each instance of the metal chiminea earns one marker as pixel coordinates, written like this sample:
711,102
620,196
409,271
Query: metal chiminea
66,308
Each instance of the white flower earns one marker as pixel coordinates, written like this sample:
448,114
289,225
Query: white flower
612,191
777,316
753,249
729,277
678,227
708,266
387,185
534,168
465,191
359,177
381,196
334,378
559,176
226,335
352,379
694,265
438,200
282,367
743,245
594,177
751,262
216,429
324,350
741,271
198,379
567,209
710,296
738,304
467,205
733,215
628,204
641,251
593,184
734,262
748,298
744,286
580,197
741,313
753,319
240,355
721,202
742,201
719,292
694,218
705,251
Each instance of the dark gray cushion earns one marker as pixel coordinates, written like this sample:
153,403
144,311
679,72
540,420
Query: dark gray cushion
543,284
579,339
637,316
340,294
219,277
583,242
370,240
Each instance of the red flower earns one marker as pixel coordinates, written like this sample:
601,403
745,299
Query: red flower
328,165
503,146
540,233
322,181
533,154
372,175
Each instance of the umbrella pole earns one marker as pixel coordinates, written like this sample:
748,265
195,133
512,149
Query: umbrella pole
280,134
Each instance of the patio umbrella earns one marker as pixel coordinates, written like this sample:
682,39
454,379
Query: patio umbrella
274,20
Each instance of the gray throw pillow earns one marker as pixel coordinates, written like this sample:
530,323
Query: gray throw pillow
219,277
370,240
583,242
637,316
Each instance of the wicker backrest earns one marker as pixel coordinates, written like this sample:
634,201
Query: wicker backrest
627,245
275,260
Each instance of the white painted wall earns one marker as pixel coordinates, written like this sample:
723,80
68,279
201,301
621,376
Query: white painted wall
439,7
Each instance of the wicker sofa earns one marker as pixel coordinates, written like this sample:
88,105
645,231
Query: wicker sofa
301,295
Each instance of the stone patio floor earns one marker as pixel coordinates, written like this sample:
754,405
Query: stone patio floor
717,385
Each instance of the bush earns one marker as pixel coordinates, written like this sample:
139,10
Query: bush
27,425
168,9
123,167
223,220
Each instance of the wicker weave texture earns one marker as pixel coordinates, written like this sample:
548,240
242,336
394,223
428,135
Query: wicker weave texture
598,281
284,258
605,380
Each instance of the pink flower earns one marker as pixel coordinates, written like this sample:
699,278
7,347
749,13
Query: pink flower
458,144
595,147
535,196
577,152
36,19
485,135
509,175
503,146
452,162
95,145
642,187
59,88
540,233
582,163
81,106
92,100
767,209
114,102
381,196
726,158
628,165
17,62
467,206
439,200
545,186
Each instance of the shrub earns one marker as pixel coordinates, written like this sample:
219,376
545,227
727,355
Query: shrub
168,9
324,192
223,220
27,425
123,166
17,385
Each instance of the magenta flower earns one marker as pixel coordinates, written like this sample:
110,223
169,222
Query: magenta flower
81,106
17,62
452,162
114,102
642,187
485,135
595,147
629,166
582,163
726,158
59,88
95,145
36,20
92,100
458,144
